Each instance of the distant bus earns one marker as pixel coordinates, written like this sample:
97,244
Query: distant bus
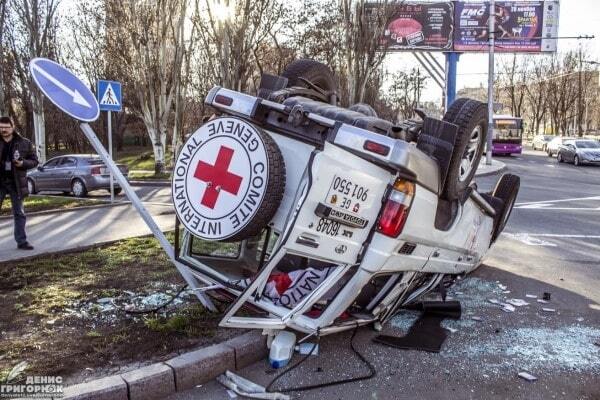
508,135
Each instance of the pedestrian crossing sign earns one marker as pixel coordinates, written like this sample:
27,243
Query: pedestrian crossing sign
109,95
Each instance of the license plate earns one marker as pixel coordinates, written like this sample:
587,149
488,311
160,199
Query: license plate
346,194
342,217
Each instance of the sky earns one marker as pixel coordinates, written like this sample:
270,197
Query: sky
577,18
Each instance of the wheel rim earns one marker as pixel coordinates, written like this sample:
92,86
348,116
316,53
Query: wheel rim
576,160
29,186
559,157
468,160
77,188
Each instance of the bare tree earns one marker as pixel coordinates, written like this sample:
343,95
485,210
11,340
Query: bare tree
230,35
151,46
513,82
363,27
404,93
34,35
3,56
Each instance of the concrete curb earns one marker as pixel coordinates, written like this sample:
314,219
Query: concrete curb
175,375
156,183
56,211
497,166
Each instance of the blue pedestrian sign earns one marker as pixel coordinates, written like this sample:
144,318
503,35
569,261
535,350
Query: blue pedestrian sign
109,95
64,89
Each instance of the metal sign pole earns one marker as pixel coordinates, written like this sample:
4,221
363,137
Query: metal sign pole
110,153
490,135
137,203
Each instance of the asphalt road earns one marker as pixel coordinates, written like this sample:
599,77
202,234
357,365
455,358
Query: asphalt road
551,244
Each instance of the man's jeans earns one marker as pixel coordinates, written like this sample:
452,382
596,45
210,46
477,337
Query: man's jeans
18,211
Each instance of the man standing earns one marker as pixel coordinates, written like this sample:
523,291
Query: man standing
16,157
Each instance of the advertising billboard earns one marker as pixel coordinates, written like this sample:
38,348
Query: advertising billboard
521,26
420,26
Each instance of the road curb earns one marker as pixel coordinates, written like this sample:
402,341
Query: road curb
180,373
497,166
56,211
156,183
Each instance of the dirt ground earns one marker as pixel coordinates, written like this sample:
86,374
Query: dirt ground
66,315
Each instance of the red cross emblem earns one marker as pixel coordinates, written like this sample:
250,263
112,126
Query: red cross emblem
218,177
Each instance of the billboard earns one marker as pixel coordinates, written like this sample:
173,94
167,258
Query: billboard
422,26
521,26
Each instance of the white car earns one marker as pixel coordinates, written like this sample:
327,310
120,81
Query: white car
321,219
553,146
540,142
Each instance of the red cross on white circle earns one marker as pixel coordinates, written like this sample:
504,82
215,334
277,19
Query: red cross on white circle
218,177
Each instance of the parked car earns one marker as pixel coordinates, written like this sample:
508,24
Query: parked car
323,218
540,142
74,173
553,146
579,152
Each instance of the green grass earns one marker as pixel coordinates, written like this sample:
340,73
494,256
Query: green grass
147,176
43,203
188,321
140,158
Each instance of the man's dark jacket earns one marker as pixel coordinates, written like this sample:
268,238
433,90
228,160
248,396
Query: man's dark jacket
30,161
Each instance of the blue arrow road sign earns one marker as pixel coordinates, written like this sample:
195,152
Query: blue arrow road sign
64,89
109,95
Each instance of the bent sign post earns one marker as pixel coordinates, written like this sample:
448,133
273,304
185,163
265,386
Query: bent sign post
73,97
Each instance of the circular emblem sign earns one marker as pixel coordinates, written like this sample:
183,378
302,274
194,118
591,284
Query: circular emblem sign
220,178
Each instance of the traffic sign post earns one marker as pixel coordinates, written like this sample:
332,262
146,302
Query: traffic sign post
110,99
72,96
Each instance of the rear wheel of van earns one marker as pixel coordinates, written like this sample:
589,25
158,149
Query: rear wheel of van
472,120
319,74
506,190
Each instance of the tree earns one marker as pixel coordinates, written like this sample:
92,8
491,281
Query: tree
3,57
150,44
404,93
363,27
33,34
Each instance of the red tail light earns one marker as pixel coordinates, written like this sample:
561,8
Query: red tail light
396,208
96,171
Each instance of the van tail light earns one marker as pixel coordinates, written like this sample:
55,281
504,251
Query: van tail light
396,208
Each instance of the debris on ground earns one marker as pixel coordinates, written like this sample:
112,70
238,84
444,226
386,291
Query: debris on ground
308,348
542,301
517,302
549,309
527,376
531,296
546,296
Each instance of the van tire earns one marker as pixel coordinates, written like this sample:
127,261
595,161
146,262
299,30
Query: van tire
471,118
313,71
506,190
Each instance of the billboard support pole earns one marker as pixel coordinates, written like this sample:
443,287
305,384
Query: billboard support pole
491,33
451,70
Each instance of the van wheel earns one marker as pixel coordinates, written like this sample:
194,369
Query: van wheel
471,118
506,190
313,71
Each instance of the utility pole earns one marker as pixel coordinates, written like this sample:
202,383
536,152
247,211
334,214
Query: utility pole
580,96
491,29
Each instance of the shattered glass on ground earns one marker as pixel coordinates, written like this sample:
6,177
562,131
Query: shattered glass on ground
511,340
